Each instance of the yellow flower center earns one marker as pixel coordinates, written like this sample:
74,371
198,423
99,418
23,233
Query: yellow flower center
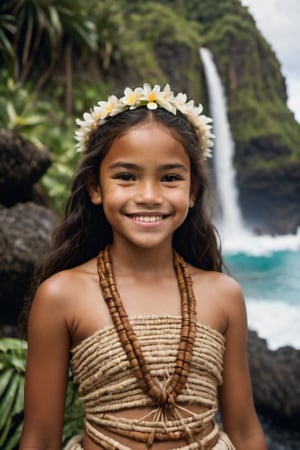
152,97
99,115
131,99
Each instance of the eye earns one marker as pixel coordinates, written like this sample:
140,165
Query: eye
169,177
124,176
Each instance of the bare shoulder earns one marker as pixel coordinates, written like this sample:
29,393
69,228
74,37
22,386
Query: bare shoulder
218,284
219,297
58,297
67,281
65,284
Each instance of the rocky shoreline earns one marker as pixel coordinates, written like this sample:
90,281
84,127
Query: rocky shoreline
275,379
279,437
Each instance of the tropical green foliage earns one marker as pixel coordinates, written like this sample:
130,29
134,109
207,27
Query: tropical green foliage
20,110
25,113
130,32
44,30
7,31
12,369
12,374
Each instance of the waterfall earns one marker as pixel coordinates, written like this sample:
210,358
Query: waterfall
231,221
235,235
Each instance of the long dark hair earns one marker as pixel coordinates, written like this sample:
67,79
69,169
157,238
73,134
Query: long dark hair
85,230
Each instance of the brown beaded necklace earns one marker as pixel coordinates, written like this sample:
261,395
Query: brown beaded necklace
162,397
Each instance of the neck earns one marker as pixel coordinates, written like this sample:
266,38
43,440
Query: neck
142,261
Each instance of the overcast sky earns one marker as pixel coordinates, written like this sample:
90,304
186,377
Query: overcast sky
279,22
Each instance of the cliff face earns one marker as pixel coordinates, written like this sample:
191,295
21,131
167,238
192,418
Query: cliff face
266,135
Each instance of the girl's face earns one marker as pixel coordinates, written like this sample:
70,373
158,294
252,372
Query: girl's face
145,186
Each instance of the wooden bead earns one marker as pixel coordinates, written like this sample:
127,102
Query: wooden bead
130,342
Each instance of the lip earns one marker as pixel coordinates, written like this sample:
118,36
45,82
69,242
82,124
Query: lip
147,219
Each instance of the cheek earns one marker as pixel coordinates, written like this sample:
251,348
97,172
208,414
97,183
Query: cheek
113,191
183,199
114,196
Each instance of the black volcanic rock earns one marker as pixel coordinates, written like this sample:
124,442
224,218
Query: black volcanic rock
21,165
275,378
24,237
26,224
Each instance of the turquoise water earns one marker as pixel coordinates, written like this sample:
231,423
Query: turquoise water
275,277
271,284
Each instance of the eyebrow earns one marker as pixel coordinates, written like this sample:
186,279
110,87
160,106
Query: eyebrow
132,166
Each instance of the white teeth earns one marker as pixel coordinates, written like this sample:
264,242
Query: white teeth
147,218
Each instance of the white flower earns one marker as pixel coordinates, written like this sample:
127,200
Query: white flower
180,99
155,97
167,93
151,95
111,108
152,98
131,98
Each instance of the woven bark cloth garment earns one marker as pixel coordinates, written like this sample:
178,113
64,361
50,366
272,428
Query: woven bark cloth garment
106,383
222,444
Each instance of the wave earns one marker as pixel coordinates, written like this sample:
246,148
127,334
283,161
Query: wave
248,243
275,321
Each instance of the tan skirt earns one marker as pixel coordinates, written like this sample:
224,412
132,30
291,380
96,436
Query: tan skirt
223,443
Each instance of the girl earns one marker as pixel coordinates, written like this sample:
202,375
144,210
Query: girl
133,292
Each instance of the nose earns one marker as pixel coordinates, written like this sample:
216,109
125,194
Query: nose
149,193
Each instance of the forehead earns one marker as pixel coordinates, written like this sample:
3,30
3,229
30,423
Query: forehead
148,143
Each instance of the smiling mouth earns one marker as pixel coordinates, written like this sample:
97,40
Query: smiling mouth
147,219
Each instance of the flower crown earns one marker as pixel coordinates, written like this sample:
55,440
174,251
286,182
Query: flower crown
152,98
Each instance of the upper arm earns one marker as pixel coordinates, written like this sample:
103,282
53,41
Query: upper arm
46,370
236,399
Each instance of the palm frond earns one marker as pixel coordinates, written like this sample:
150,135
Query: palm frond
13,354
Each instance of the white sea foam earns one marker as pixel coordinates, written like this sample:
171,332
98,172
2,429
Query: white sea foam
247,243
275,321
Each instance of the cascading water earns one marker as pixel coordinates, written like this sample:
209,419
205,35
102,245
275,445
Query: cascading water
231,222
235,235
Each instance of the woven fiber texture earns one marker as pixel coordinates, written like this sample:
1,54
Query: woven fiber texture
106,381
222,444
